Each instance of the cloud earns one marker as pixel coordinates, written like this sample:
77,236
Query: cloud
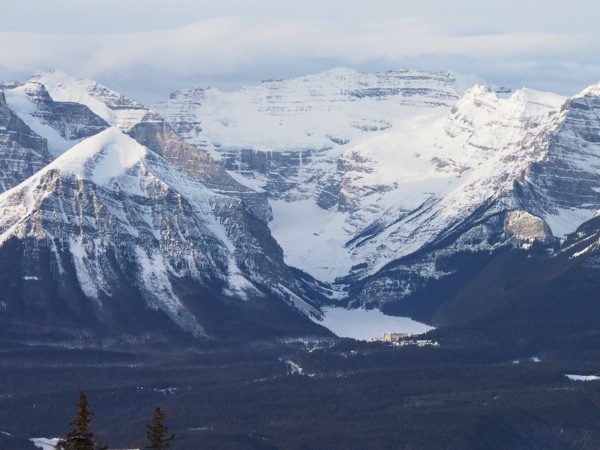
232,49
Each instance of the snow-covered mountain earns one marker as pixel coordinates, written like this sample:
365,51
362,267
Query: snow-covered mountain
311,112
385,190
288,138
40,100
129,227
375,180
112,228
525,172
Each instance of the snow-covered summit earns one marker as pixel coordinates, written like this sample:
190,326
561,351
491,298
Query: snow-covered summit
314,111
114,108
594,89
107,155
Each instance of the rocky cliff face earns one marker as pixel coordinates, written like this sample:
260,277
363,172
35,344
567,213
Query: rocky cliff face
22,152
73,121
567,178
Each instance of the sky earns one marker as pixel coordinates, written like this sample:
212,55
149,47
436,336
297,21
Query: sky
146,49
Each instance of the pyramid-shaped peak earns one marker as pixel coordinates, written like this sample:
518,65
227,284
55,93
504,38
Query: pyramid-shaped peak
101,157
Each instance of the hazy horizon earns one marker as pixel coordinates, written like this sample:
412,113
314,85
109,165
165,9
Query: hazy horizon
149,49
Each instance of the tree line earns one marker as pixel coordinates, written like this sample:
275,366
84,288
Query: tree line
82,438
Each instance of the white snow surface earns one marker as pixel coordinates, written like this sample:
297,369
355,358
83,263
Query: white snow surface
45,443
364,324
582,377
104,156
430,170
565,221
312,238
306,112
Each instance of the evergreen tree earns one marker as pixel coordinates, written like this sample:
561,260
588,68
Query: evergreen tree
157,432
80,437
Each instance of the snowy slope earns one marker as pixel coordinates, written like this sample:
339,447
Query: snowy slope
401,188
315,111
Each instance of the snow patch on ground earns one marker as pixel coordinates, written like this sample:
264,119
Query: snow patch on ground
87,280
294,368
582,377
45,443
153,278
256,184
363,324
239,285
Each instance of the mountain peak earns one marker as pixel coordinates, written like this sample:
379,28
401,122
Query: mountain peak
114,108
594,90
106,155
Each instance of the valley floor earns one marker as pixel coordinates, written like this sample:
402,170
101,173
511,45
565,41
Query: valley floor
304,394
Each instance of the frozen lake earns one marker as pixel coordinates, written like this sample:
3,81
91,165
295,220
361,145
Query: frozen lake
366,324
